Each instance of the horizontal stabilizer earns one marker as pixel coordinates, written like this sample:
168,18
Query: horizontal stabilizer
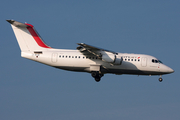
17,24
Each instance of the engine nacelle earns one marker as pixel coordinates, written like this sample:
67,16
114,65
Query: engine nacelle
118,61
111,58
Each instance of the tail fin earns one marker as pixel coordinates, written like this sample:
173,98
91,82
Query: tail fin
27,37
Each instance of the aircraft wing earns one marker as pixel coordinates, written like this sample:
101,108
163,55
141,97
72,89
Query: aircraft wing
85,48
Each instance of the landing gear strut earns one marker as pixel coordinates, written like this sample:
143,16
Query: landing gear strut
96,75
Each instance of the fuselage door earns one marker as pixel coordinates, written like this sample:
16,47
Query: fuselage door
144,62
54,57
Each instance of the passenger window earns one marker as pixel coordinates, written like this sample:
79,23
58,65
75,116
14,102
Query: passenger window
128,59
125,59
66,56
69,56
60,56
89,57
138,59
131,59
75,56
72,56
79,56
153,60
92,57
63,56
134,59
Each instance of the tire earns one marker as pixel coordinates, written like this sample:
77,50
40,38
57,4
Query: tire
97,79
160,79
94,74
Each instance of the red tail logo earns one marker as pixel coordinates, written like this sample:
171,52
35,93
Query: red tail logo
36,36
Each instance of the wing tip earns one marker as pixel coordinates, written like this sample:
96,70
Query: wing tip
80,43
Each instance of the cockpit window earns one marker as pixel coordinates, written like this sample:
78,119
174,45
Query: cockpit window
156,61
160,61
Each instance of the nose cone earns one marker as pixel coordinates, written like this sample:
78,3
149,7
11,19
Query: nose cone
170,70
166,69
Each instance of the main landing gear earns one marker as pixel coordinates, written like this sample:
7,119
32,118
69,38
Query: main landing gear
160,79
96,75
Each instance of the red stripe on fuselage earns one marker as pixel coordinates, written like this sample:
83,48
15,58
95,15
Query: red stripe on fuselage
36,37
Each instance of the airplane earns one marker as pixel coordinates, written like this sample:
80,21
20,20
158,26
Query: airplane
86,58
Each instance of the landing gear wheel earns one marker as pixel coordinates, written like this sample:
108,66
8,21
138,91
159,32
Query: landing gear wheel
96,75
97,79
160,79
101,75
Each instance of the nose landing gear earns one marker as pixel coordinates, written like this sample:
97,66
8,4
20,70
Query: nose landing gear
160,79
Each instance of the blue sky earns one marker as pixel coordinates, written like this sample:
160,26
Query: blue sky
33,91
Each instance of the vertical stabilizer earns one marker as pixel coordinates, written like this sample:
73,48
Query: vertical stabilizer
27,37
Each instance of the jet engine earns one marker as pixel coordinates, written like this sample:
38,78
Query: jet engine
112,58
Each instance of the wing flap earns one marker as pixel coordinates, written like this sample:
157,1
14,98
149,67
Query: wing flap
85,49
105,55
88,49
93,48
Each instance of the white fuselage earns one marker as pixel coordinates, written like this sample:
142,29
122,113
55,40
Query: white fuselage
74,60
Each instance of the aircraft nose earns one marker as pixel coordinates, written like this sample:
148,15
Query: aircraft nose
170,70
167,69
